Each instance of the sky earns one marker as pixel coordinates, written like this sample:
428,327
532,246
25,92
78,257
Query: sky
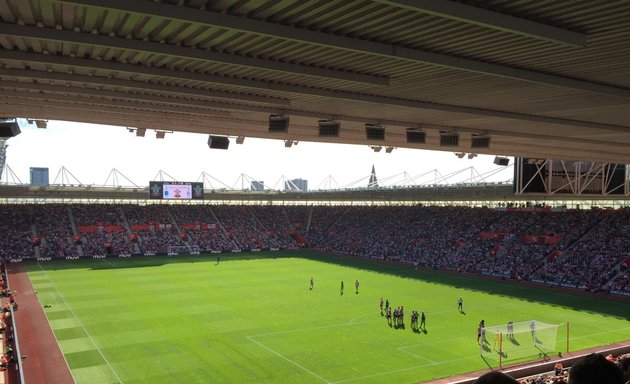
90,152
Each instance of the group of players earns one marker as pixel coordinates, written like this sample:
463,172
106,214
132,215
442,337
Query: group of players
397,318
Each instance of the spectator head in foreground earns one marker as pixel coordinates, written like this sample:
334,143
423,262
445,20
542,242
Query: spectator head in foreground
624,364
595,369
495,377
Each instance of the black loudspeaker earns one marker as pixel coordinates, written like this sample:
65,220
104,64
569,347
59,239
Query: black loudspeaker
218,142
374,132
278,123
504,161
9,129
449,139
329,128
416,136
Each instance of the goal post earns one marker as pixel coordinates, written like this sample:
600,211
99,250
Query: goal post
521,341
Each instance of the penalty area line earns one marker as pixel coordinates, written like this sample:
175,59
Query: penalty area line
402,349
404,369
251,338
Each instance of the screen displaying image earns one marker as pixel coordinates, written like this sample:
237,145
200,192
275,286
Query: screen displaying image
177,191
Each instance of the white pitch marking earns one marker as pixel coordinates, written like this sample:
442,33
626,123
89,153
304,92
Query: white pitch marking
431,362
402,349
81,324
404,369
357,318
251,338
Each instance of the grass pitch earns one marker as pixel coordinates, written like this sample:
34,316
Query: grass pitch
252,318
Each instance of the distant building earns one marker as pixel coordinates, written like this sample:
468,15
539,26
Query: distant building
373,183
39,176
296,185
258,185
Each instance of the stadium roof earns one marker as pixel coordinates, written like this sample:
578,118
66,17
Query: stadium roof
540,79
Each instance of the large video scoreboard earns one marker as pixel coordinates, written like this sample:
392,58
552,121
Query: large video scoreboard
175,190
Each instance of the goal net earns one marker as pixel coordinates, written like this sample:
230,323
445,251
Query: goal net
519,341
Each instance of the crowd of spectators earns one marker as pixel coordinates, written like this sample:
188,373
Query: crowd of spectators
240,226
157,233
521,248
52,223
592,262
298,216
621,283
577,248
7,356
275,225
109,236
564,247
146,214
15,231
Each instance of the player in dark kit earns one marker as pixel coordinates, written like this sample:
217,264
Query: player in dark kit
423,320
312,283
386,304
381,304
341,289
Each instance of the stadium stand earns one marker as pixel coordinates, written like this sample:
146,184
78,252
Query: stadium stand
15,231
153,225
53,226
582,249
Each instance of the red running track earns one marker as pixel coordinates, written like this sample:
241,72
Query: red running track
42,359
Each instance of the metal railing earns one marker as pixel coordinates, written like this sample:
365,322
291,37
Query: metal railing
16,342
